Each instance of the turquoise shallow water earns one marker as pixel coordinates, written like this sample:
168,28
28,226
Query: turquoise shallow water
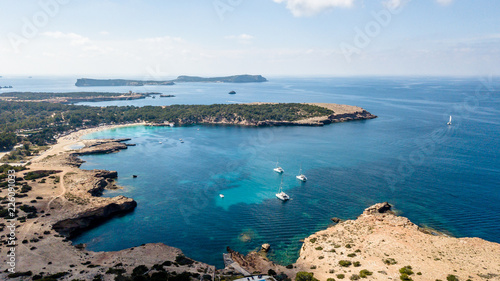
445,177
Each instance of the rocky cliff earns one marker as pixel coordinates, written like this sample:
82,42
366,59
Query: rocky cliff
388,246
92,217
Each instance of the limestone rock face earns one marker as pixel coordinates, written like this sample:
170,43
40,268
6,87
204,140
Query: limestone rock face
380,208
102,146
92,217
336,220
266,247
382,243
106,174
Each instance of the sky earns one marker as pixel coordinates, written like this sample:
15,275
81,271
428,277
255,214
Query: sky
166,38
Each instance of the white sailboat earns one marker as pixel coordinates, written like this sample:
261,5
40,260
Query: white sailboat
449,122
282,195
301,177
221,195
278,169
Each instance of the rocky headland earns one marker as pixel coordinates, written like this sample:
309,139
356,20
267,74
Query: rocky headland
64,202
72,97
382,243
339,113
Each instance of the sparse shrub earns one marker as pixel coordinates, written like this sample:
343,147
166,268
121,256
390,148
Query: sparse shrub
158,267
419,273
390,261
351,255
305,276
330,279
290,266
271,272
348,246
355,277
405,277
182,260
321,257
313,267
116,271
313,240
406,269
319,248
356,264
139,270
19,274
345,263
365,273
340,276
451,277
159,276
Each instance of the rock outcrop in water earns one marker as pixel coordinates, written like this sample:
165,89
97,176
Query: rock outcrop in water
92,217
103,146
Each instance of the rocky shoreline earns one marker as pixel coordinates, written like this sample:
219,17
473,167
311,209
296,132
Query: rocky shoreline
68,202
378,241
341,113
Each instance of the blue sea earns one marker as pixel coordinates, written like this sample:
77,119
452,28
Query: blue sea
440,176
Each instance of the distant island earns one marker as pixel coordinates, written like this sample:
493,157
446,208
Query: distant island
72,97
228,79
6,87
87,82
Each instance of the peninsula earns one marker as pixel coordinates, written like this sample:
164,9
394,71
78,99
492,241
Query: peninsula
86,82
72,97
39,123
245,78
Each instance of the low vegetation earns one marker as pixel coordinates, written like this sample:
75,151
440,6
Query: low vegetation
38,122
305,276
345,263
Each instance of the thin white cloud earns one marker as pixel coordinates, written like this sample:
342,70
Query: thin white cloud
163,39
75,39
301,8
104,33
242,38
444,2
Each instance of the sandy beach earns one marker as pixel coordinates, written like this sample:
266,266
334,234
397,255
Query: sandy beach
65,143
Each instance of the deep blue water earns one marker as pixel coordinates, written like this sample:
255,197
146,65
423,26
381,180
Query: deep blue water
445,177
